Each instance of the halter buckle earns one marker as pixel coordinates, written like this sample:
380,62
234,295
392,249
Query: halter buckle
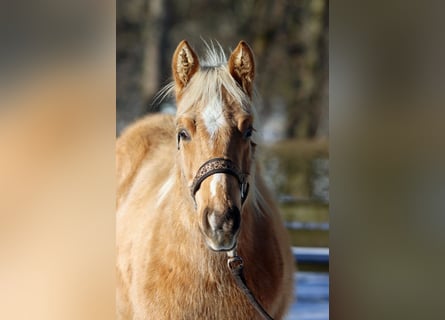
235,263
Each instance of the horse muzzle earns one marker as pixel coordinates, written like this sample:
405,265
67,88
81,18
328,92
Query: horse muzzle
221,229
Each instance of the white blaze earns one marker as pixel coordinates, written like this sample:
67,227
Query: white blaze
213,116
216,180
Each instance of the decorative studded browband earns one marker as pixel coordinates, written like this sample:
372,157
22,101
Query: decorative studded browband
220,165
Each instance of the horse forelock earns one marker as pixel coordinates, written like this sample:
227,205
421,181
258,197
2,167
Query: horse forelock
214,56
212,83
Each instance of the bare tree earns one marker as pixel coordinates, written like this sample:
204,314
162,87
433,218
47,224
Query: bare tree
154,37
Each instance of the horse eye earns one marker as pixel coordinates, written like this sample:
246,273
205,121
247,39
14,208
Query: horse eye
248,133
183,134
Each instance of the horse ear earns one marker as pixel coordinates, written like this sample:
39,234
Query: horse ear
242,66
184,64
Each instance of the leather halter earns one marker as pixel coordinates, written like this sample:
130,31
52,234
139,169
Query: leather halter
220,165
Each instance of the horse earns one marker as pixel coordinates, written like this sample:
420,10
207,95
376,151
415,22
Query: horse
190,191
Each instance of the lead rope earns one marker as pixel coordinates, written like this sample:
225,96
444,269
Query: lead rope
236,266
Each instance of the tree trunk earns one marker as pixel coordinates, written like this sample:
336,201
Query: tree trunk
154,38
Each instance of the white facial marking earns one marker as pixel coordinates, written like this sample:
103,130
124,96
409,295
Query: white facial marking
216,180
213,116
212,221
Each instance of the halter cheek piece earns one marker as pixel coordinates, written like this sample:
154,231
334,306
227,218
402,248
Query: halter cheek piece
220,165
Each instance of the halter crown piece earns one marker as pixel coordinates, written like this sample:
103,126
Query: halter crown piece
220,165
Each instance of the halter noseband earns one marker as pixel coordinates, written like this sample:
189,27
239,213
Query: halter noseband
220,165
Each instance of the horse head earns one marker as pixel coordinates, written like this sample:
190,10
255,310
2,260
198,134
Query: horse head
214,126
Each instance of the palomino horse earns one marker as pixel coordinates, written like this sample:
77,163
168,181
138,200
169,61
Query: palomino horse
189,192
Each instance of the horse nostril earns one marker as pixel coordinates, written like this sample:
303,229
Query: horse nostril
233,218
229,221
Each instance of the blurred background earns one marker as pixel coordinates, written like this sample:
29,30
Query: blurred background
290,42
386,149
57,130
